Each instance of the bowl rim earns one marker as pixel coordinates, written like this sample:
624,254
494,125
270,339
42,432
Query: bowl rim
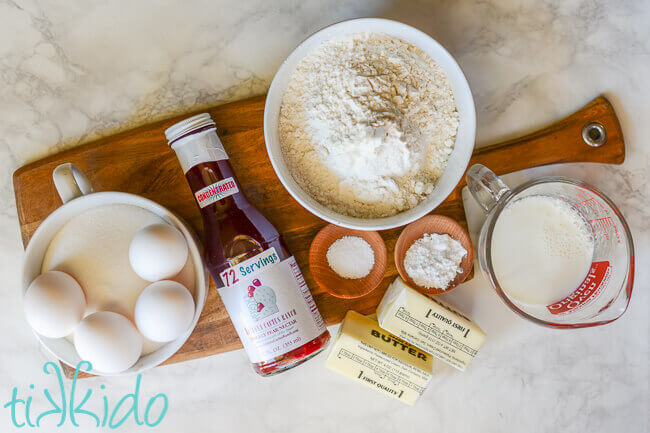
275,95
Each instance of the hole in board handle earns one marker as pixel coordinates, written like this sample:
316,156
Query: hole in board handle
594,134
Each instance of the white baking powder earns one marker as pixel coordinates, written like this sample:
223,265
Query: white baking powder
433,261
351,257
367,124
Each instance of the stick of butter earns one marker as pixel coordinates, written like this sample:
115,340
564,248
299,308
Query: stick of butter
365,352
429,325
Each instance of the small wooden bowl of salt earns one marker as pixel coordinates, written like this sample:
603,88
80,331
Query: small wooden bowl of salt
430,251
347,263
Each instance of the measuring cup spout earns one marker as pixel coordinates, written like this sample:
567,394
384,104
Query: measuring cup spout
485,186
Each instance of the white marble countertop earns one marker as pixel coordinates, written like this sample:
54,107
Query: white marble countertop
74,71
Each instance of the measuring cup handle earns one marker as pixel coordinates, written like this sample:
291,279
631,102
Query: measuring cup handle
486,187
70,182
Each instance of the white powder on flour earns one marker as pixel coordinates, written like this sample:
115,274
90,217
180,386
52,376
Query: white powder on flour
367,124
433,261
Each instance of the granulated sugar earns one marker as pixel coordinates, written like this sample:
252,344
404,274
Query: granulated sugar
433,261
351,257
367,124
93,247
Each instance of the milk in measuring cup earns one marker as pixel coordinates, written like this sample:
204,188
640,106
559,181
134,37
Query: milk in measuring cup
542,249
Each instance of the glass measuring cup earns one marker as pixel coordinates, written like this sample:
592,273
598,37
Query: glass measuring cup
604,294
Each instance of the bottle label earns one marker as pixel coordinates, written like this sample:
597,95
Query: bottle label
215,192
270,305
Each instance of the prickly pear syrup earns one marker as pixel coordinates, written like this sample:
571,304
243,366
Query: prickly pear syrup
259,282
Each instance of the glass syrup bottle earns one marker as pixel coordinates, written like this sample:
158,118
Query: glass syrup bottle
259,282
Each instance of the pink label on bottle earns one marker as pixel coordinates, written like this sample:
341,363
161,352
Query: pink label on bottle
593,284
215,192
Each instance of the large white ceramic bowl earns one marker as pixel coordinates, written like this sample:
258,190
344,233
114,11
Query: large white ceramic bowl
464,140
78,196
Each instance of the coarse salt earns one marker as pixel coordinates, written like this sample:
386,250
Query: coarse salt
433,261
351,257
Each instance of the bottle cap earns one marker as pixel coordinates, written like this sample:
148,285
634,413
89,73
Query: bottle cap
186,126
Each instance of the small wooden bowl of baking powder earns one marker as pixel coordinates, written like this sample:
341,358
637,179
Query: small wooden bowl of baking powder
434,224
333,283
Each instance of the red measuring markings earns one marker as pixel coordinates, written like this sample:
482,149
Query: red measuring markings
592,285
591,205
604,226
583,202
601,226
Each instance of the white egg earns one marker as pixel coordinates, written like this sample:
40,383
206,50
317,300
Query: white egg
164,311
109,341
54,304
158,252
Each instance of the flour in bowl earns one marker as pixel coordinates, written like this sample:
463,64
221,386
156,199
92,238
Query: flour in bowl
367,125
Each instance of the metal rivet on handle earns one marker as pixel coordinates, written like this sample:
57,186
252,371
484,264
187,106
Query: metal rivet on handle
594,134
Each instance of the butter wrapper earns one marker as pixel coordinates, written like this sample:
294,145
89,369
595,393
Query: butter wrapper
430,325
366,353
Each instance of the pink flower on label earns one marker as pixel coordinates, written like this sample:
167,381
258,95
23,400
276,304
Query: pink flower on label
251,289
260,306
256,282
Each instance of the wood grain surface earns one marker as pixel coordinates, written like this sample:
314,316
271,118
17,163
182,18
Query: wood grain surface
140,162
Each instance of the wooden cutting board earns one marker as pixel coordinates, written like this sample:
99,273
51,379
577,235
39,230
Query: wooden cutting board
140,162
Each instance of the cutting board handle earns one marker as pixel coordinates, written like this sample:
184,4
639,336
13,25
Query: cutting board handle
560,142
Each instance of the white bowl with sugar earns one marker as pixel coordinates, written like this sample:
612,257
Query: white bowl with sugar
122,285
